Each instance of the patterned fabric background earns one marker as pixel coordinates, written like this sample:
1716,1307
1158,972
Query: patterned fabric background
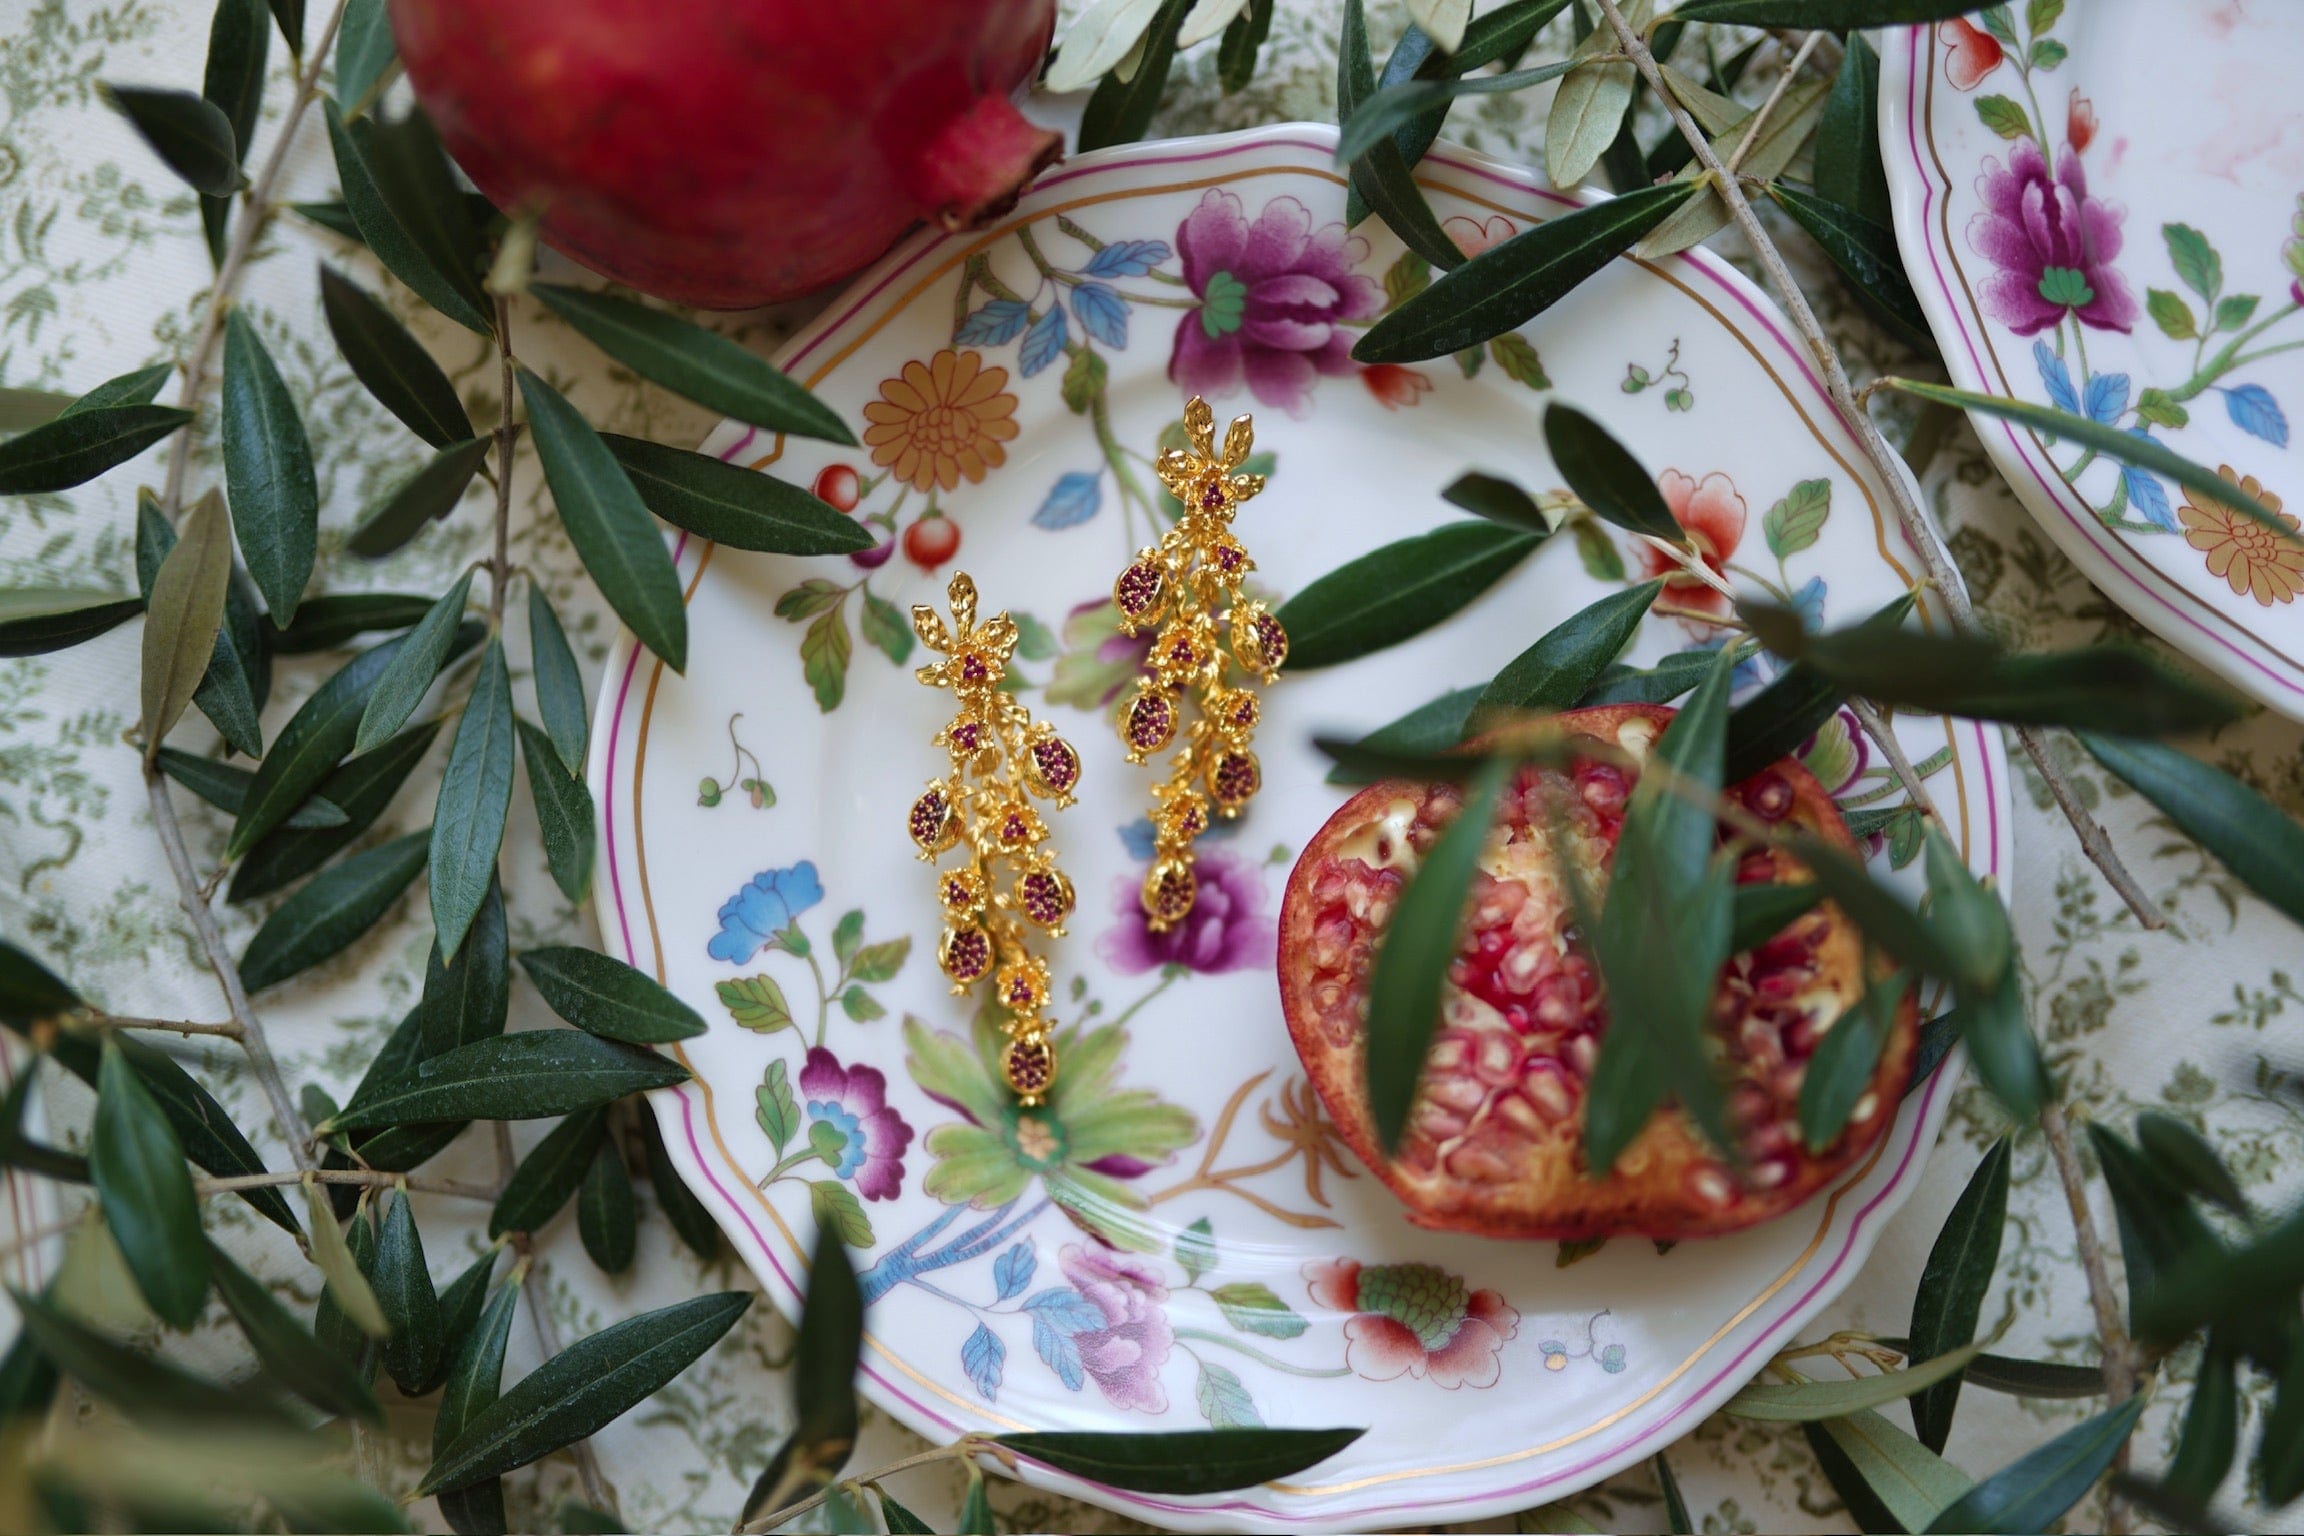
100,263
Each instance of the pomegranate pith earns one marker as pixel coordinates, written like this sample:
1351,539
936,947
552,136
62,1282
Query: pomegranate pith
1494,1143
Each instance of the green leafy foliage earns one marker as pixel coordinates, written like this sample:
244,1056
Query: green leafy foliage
146,1193
239,40
409,677
1806,1402
1556,671
689,360
327,915
1381,176
585,1386
184,615
286,1348
399,194
190,134
78,446
239,673
475,796
404,1291
1397,592
1411,970
268,473
37,620
605,997
607,522
1182,1461
1604,474
548,1177
1840,1073
391,363
607,1218
1953,1285
559,684
530,1076
426,496
2255,839
475,1381
1119,111
732,505
2032,1492
563,813
361,789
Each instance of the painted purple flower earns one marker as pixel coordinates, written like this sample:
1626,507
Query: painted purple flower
1272,296
851,1126
1227,931
1126,1354
2053,244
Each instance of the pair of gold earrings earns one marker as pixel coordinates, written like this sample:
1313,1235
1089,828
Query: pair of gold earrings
1001,760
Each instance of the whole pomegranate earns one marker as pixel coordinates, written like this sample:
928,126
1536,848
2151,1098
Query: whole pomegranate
1495,1139
729,153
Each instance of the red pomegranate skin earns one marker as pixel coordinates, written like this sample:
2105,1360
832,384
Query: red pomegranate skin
1494,1144
730,153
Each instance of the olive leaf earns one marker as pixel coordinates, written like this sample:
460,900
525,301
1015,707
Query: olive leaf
1410,977
1121,109
347,1315
2032,1492
583,1388
1587,108
1793,707
1972,927
1865,253
2184,1157
689,360
145,1193
363,51
825,1355
532,1075
548,1176
608,523
409,677
80,445
563,813
404,1290
1501,34
239,672
398,191
1554,673
1840,1073
2261,844
731,505
1430,727
1516,280
462,1301
239,40
1604,474
37,620
334,620
1765,909
184,617
429,494
1950,1297
361,789
1381,176
475,1381
2160,1233
1806,1402
1100,38
687,1214
138,1383
391,363
190,134
1243,40
1394,107
603,996
559,685
1497,499
268,474
1186,1461
1396,592
607,1220
475,796
285,1348
1909,1482
2210,1439
1849,14
327,915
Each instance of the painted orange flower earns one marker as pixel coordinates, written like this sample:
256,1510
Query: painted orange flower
1712,514
1395,386
2256,561
1472,236
942,421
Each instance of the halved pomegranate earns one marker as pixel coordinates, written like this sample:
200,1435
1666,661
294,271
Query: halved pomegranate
1495,1140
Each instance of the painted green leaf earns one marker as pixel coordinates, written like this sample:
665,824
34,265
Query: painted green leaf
268,474
606,997
146,1194
732,505
834,1205
332,911
1396,592
1252,1307
532,1075
190,134
689,360
583,1388
775,1108
391,363
608,523
756,1003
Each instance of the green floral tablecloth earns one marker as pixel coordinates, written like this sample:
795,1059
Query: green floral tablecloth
100,263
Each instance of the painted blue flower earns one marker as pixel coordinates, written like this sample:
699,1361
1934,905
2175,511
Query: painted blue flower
770,903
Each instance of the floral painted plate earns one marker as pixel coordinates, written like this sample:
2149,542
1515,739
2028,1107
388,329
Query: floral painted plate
2101,204
1013,385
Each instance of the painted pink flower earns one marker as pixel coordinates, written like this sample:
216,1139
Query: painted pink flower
1472,236
1712,514
1228,929
2079,122
1273,298
2053,244
1415,1320
1126,1354
851,1125
1395,386
1971,52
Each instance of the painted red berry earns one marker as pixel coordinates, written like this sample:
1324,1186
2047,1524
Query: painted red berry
838,486
931,541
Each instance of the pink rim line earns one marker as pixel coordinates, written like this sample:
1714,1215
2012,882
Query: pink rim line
1768,1336
2122,559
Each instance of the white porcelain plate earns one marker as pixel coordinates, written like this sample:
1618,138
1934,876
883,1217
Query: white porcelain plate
2101,205
755,854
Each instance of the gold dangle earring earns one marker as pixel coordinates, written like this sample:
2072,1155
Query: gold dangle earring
1190,585
1002,760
